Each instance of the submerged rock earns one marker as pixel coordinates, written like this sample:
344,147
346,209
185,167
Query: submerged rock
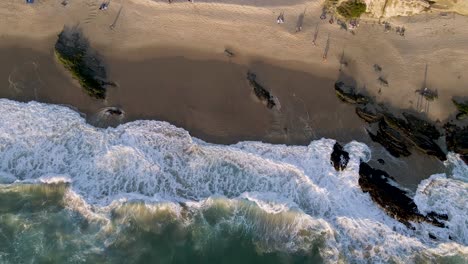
73,51
456,139
263,94
339,158
392,199
348,94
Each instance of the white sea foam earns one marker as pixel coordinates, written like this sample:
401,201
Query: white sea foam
295,186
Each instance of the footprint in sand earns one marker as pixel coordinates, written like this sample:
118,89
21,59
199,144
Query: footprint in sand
93,9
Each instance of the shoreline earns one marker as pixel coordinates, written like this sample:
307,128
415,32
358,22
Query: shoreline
217,108
169,71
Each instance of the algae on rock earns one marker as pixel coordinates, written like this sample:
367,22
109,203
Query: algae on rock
73,51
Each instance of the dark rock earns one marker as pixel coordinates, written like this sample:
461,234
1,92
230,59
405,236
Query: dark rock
261,93
348,94
432,236
74,52
114,111
419,126
339,158
456,139
461,116
399,135
381,161
462,107
393,200
391,140
368,115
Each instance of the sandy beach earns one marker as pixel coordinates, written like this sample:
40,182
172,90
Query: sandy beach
151,29
169,63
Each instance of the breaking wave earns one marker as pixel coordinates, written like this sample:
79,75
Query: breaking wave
286,199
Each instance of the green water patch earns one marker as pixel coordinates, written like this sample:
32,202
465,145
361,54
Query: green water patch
37,226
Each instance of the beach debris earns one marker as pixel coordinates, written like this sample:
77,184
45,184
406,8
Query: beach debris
300,21
229,53
280,19
381,161
395,201
30,1
263,94
456,139
113,111
331,21
383,81
73,51
348,94
64,2
339,157
107,117
377,68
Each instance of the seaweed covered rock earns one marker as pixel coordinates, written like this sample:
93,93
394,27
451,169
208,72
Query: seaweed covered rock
339,157
398,135
462,109
456,139
263,94
391,139
368,115
74,52
392,199
348,94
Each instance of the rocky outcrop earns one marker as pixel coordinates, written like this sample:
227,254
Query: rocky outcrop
339,157
398,135
393,200
368,115
74,52
391,140
456,139
348,94
263,94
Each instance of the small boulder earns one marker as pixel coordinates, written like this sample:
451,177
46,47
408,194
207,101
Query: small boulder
339,157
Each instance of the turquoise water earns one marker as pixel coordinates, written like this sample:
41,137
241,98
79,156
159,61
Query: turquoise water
37,227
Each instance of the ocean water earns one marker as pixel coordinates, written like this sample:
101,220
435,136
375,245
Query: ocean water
148,192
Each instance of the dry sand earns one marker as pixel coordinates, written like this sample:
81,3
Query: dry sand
150,29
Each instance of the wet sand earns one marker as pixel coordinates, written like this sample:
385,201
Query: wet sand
209,98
